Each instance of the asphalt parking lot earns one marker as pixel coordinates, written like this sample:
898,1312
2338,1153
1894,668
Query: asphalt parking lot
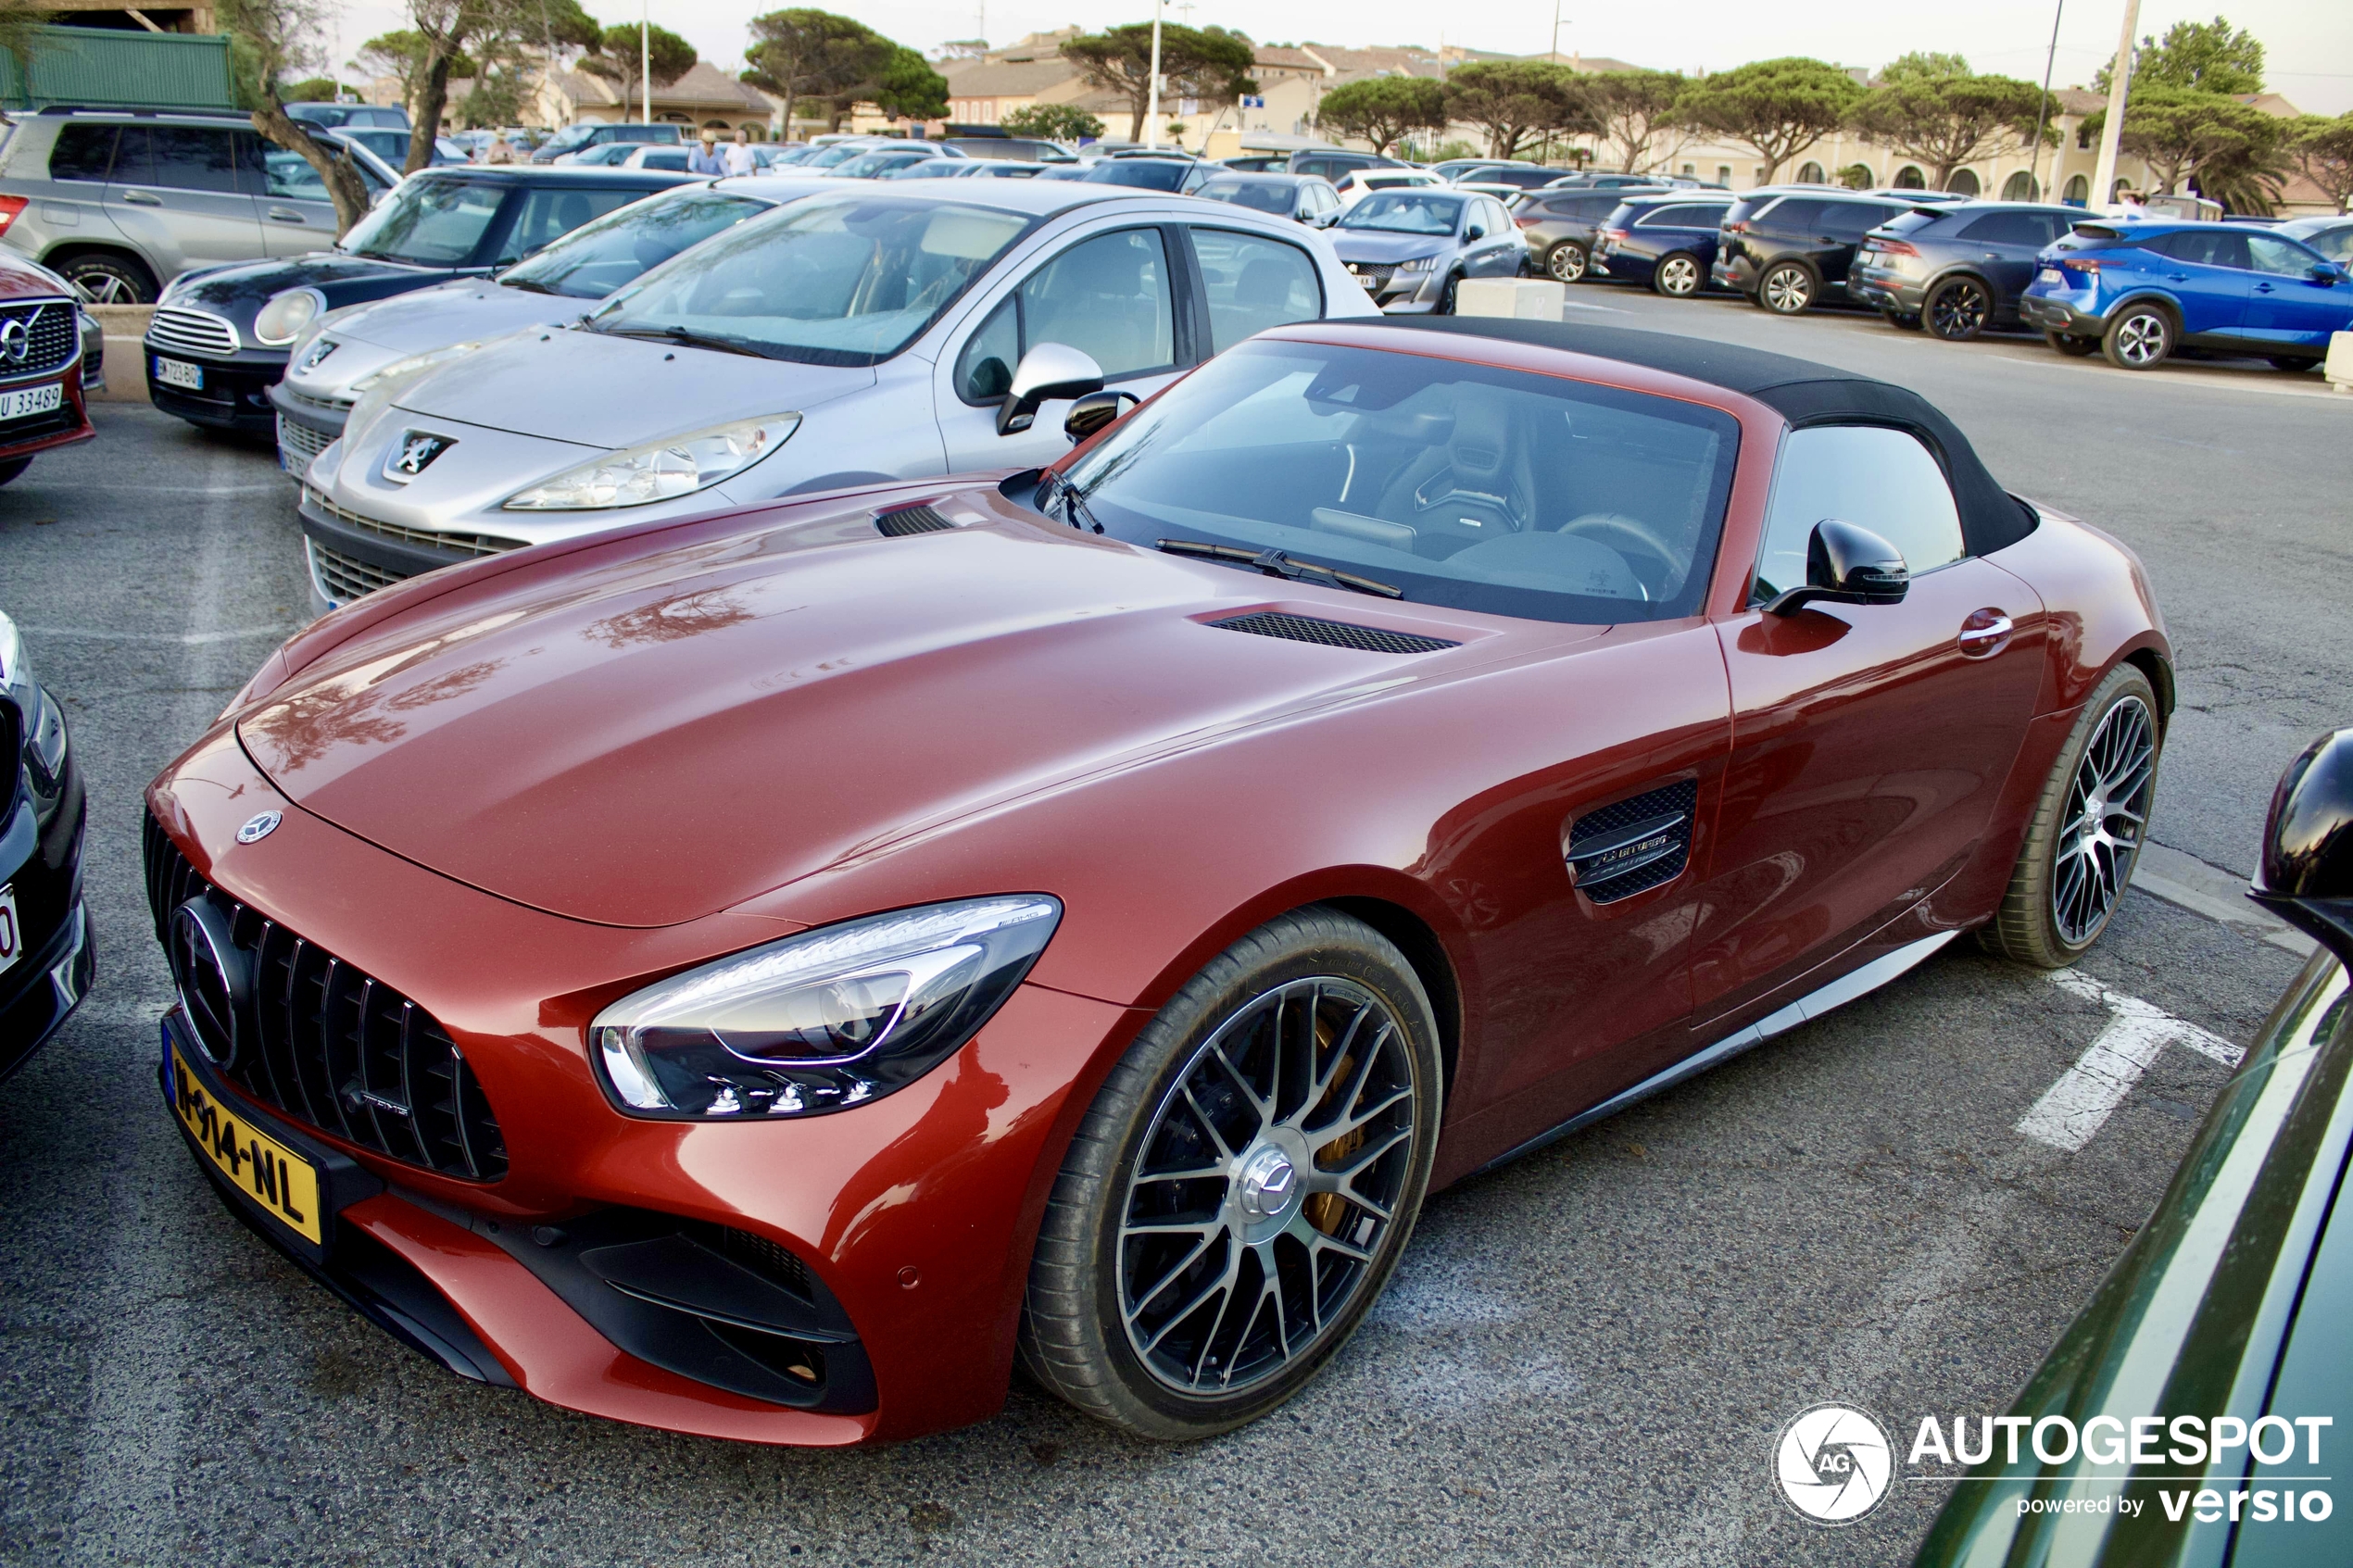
1585,1358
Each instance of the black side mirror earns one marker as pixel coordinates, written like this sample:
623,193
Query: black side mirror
2308,845
1095,410
1046,372
1476,231
2328,272
1847,565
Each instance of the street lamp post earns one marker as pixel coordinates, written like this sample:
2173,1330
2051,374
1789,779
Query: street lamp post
1152,92
2042,113
645,58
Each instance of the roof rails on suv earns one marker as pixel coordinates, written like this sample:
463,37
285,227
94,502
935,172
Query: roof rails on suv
148,111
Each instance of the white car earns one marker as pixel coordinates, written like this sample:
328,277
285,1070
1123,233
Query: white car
1364,181
872,331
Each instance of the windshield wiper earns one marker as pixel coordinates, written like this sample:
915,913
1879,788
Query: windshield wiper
1074,508
689,339
527,284
1273,563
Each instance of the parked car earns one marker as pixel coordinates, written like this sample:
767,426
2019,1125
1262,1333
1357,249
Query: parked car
43,340
2332,236
1308,198
1335,164
611,155
1561,225
1156,171
1467,168
221,336
1668,241
666,160
1585,181
1259,163
780,155
1363,181
814,954
46,959
1958,268
337,358
2232,1300
393,145
351,117
2138,291
1514,177
1788,248
590,133
1012,149
120,202
1409,249
785,355
879,163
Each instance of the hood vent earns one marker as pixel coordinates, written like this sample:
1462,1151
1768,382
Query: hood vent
909,519
1331,634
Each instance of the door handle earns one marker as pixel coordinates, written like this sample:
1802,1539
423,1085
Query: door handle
286,215
141,198
1985,632
2262,288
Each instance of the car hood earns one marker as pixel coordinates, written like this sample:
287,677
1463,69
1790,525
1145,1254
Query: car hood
646,738
237,291
1362,245
602,391
470,308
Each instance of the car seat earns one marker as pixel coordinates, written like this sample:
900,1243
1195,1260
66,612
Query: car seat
1101,299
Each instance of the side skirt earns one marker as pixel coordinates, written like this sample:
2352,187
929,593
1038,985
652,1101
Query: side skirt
1813,1005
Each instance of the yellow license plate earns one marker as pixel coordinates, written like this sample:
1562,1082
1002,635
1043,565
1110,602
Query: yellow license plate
261,1167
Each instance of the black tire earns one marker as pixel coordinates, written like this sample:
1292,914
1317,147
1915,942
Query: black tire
2139,337
1446,297
1787,288
2040,921
1903,321
1679,275
2074,347
1958,310
2294,364
108,278
1080,1336
1567,263
13,467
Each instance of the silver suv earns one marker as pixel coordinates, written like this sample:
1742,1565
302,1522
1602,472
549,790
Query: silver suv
121,201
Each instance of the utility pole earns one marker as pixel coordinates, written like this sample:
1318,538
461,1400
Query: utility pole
645,56
2042,113
1151,92
2120,81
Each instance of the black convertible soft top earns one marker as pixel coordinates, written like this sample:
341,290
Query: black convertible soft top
1803,392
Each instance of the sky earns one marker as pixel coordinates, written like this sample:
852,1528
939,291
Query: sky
2309,43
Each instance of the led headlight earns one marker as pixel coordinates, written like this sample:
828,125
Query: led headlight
823,1021
282,318
1418,264
659,469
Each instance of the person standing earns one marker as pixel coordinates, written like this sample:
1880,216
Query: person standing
705,159
739,159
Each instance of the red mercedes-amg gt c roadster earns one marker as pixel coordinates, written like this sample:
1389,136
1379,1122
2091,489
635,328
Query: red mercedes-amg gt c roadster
759,976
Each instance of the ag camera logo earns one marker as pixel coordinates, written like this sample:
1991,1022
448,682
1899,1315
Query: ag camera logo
1834,1463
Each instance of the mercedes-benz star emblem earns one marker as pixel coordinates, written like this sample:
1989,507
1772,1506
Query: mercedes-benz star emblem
15,340
258,826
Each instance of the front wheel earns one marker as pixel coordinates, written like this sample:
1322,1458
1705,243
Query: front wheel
1566,264
1446,297
2294,364
2070,344
2139,339
1244,1182
13,467
1676,276
1786,290
1958,310
2088,827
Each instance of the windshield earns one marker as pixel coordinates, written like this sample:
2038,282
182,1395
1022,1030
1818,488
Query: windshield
841,151
849,281
570,136
591,262
1152,174
1405,212
428,222
1459,484
1260,196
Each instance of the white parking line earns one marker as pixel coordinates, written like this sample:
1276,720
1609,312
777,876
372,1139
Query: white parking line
2076,1106
178,639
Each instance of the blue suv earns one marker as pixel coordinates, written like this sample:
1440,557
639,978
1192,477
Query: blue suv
2138,290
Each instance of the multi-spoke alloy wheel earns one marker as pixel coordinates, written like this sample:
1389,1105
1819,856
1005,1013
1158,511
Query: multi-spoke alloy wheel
1958,310
2107,811
1676,276
2139,339
2088,827
1786,290
1267,1173
1567,262
1242,1184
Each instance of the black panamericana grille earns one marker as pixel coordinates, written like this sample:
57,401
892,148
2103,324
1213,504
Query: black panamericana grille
333,1047
1331,634
1682,796
909,519
50,337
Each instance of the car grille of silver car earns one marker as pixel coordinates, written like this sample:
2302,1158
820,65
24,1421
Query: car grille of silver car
345,578
1375,277
297,444
324,405
455,544
191,332
50,337
333,1047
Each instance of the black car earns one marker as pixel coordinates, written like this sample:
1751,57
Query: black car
46,957
1151,171
1957,267
221,334
1308,198
1788,247
1335,165
1561,226
1668,241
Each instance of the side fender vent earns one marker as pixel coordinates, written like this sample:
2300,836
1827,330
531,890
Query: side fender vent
909,519
1331,634
1634,844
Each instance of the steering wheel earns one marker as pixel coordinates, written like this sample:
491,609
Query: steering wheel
1619,526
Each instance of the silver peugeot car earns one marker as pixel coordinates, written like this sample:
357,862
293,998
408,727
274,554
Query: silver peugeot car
865,334
342,352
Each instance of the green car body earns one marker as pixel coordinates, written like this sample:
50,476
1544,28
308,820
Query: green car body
2233,1300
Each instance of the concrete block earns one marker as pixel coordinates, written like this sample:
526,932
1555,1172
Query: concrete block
1525,299
2338,367
125,326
